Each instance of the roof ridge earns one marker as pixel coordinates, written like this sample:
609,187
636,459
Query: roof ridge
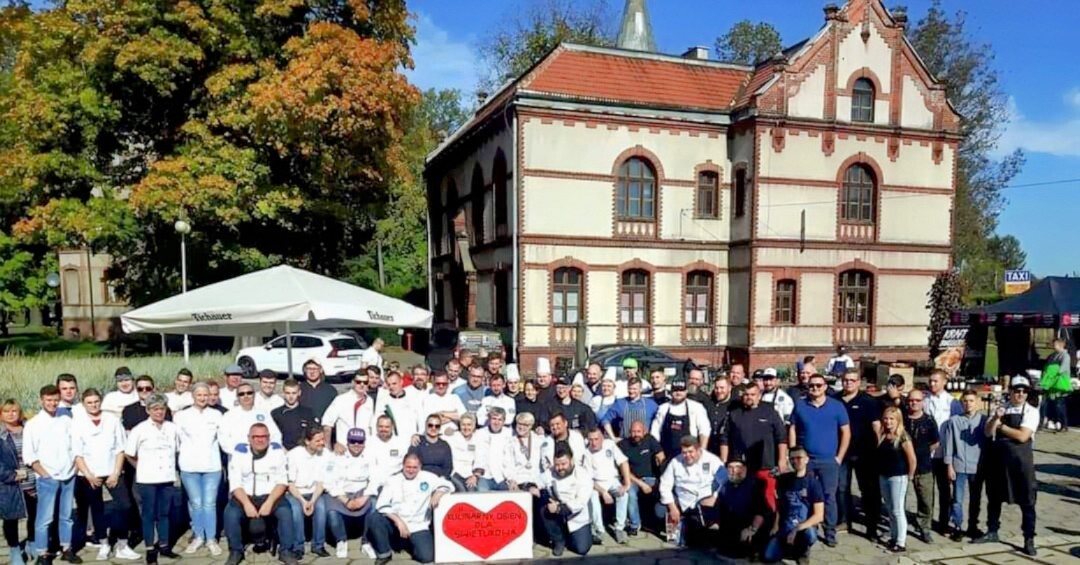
661,57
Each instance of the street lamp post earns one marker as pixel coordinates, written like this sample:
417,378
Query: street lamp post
183,228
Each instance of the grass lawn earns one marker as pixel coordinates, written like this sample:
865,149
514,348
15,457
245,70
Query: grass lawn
32,343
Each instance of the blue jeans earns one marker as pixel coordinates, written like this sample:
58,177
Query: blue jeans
777,547
337,521
235,520
47,492
384,538
633,507
318,523
156,501
487,485
596,510
202,490
895,491
960,488
828,472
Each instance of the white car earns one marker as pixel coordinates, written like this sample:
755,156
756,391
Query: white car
337,352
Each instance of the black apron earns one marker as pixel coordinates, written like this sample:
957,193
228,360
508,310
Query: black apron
1012,479
672,431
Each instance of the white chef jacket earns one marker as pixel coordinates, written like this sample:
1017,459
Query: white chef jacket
343,415
98,444
941,407
689,484
199,439
503,401
448,402
573,491
178,402
371,357
306,469
236,424
386,457
490,448
348,474
407,420
257,477
268,403
47,440
521,459
699,418
115,401
227,398
604,464
576,443
411,499
155,447
464,453
781,401
456,384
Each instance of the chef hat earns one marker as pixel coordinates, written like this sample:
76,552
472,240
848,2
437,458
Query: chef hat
543,366
512,373
610,374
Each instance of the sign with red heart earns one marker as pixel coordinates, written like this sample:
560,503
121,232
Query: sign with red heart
479,526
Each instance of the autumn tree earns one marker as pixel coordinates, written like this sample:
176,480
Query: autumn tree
277,128
966,68
748,43
524,37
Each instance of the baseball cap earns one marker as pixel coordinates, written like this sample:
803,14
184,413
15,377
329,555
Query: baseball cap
679,384
123,373
629,363
564,380
356,435
234,369
769,373
1019,382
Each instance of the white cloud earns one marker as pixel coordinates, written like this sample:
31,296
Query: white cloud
1060,137
442,61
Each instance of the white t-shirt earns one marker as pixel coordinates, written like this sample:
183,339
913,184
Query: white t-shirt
227,398
268,403
371,357
178,401
463,451
306,469
448,402
199,445
411,499
1030,416
115,401
155,448
604,464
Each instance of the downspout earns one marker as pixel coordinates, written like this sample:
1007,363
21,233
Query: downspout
516,176
431,282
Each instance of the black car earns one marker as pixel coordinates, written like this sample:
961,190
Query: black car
447,343
613,355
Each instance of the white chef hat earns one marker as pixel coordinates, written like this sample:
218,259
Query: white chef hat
543,366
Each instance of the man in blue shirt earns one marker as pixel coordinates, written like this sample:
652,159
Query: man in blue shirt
626,411
820,424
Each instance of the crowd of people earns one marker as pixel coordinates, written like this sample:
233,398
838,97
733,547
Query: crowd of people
740,463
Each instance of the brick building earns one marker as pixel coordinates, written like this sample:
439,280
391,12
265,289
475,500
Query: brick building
715,211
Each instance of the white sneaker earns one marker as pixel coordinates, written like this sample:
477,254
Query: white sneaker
368,551
194,546
342,549
103,552
214,548
125,552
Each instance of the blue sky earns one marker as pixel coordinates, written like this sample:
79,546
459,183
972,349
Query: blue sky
1037,68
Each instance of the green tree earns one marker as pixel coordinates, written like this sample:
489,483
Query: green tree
276,127
748,43
1006,250
22,281
524,37
966,67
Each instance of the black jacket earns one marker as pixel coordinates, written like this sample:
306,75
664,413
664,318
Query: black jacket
294,422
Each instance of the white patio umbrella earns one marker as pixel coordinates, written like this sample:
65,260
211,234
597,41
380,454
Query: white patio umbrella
278,299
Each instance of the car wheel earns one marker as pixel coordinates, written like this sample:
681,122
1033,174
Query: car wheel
248,365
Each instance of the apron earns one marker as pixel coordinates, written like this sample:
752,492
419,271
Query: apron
1015,484
335,505
672,431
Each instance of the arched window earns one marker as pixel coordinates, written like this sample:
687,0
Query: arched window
635,198
502,195
698,298
449,236
708,195
855,293
634,298
857,205
477,194
566,292
862,101
784,307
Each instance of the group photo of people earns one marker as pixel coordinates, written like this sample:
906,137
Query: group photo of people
743,464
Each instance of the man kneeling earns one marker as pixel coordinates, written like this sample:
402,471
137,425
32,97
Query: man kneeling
688,489
402,517
801,500
257,482
566,504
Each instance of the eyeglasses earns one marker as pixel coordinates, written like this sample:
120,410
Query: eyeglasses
261,436
438,383
245,393
144,388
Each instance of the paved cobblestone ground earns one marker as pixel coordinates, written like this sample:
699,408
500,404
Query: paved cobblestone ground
1057,460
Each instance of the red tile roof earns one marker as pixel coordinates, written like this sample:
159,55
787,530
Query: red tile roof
759,78
633,79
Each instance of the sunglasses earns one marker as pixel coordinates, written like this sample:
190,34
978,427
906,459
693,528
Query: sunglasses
144,388
246,393
359,382
261,436
432,425
356,443
817,385
437,383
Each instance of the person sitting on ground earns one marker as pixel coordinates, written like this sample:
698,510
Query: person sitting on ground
308,473
742,510
350,496
257,483
403,512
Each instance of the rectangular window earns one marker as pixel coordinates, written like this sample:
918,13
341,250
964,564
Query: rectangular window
785,303
740,193
698,299
708,203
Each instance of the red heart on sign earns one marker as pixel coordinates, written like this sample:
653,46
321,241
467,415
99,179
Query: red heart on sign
485,533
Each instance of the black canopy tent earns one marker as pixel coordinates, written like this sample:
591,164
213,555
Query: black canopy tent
1054,302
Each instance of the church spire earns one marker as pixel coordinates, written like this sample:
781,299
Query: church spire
636,30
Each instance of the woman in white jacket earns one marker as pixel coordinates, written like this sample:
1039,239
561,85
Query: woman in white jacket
200,467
